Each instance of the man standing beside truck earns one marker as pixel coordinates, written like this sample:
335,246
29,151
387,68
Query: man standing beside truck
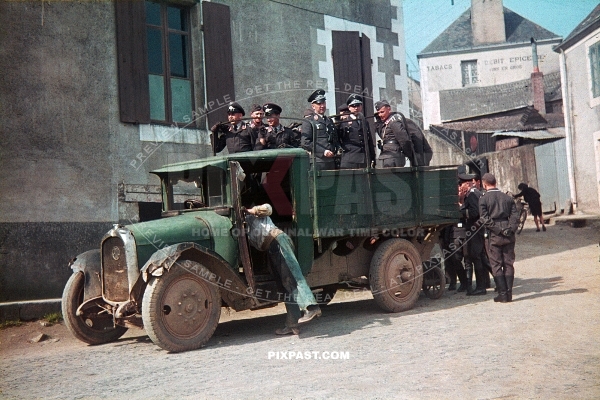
263,235
499,214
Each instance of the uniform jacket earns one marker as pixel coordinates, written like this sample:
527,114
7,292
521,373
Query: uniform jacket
353,138
393,130
237,138
325,134
257,133
279,136
470,207
499,212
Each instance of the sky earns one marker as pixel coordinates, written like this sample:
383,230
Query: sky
424,20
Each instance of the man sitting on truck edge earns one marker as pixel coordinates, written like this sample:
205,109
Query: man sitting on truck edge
263,235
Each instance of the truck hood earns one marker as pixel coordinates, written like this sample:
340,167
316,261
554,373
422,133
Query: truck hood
206,228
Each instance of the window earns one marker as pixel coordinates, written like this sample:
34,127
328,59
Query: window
595,69
469,72
169,69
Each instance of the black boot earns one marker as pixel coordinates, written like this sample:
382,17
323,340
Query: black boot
509,284
480,273
462,277
501,285
469,275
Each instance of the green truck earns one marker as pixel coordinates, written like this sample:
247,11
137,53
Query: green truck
171,276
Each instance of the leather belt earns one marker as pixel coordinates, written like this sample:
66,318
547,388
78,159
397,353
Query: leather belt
391,142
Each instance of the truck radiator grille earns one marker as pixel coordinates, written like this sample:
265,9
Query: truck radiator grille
115,284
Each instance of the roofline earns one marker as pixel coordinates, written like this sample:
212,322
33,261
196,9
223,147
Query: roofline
576,38
498,46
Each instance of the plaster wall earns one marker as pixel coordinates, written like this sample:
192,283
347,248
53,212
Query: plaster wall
282,50
585,120
67,156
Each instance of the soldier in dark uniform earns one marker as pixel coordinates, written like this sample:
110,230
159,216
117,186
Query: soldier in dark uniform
325,140
469,198
354,133
236,135
392,131
499,214
422,149
257,125
276,135
452,239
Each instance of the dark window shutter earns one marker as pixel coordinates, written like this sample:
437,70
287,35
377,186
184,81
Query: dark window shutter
347,71
367,76
132,61
218,62
352,69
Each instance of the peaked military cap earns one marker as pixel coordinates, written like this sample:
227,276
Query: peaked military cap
235,108
466,177
380,104
271,108
354,99
318,96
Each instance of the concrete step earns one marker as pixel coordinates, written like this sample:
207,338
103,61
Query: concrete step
28,310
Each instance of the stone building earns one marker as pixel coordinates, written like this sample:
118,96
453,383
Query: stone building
580,74
487,45
97,94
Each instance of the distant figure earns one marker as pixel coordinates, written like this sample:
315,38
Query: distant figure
532,197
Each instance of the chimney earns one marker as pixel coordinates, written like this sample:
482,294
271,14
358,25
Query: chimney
537,82
487,22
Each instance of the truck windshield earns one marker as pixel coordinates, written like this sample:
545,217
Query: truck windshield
196,189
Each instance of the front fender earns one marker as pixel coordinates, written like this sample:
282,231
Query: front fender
89,264
234,292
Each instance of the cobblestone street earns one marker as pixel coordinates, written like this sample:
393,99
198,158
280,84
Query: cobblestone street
543,345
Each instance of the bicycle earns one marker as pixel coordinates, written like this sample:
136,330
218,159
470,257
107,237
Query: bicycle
523,209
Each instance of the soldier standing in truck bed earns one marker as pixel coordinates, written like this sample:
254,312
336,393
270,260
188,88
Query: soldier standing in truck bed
355,136
257,126
325,135
392,131
236,135
276,136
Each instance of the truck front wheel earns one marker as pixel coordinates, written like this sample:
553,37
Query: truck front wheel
181,309
396,275
95,325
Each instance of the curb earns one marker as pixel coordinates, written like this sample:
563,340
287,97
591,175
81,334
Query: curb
28,310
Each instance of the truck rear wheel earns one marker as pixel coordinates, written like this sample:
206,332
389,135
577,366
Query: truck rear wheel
95,326
181,309
396,275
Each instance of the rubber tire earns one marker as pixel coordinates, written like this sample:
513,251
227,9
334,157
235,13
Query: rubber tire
522,219
71,299
384,280
161,299
436,290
